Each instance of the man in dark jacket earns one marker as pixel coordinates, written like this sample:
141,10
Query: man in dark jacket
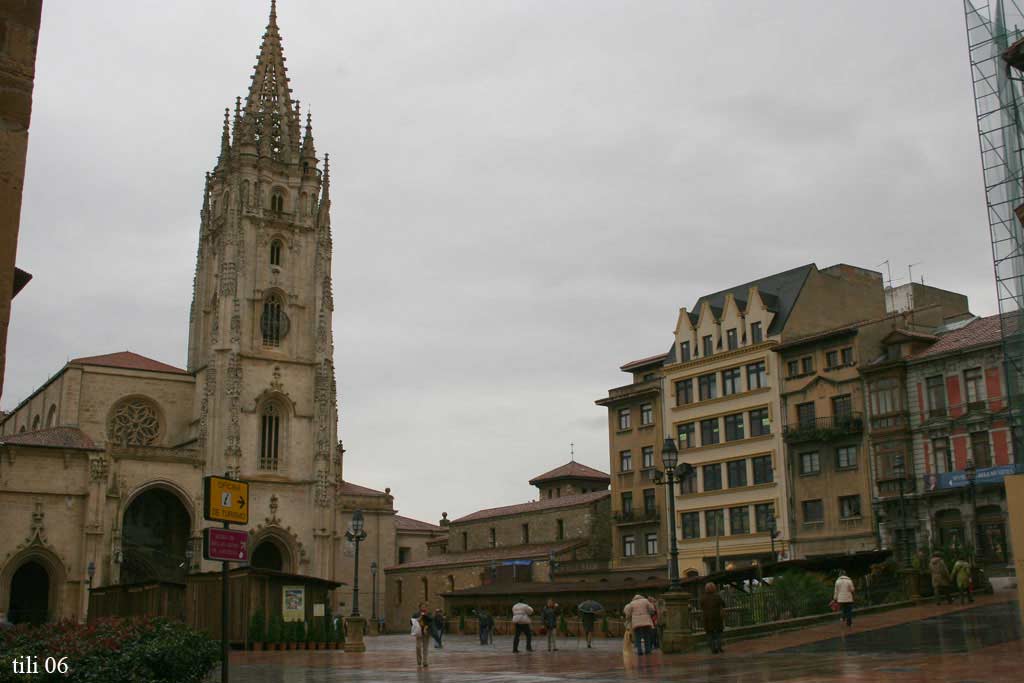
437,627
713,608
549,616
587,619
486,624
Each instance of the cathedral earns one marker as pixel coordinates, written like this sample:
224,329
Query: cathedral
101,468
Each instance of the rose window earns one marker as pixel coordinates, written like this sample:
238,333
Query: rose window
134,423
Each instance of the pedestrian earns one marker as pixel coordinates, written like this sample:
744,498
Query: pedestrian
549,616
485,622
437,628
712,608
961,575
843,594
940,579
655,618
587,619
521,613
420,629
639,612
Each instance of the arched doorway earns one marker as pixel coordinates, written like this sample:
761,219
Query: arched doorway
156,533
30,594
267,556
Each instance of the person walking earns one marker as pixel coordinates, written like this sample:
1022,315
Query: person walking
639,612
549,617
962,579
712,608
587,619
437,628
843,593
521,613
655,618
420,630
486,625
940,579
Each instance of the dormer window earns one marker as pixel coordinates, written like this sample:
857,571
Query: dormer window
275,253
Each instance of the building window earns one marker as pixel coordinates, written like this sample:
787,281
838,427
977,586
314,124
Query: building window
714,522
731,382
684,351
846,457
646,414
558,492
884,396
849,506
707,387
559,530
734,427
709,345
273,322
731,340
763,471
451,583
624,421
650,506
275,253
813,511
764,515
629,546
842,406
688,484
943,456
807,365
492,537
936,389
832,359
684,392
625,461
793,368
270,437
809,463
627,503
972,385
759,425
465,540
647,454
713,477
756,336
133,422
691,525
51,417
756,376
651,541
686,435
277,202
979,450
525,536
847,355
404,555
805,414
737,473
739,520
648,376
709,432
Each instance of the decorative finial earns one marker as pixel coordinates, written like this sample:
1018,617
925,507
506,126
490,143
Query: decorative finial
273,9
572,452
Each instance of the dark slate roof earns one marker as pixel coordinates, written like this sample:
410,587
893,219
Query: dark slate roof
536,506
52,437
778,292
572,470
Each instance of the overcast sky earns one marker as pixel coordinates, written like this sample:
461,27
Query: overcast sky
524,194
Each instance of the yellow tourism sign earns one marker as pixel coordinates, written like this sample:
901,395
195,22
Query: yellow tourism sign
225,500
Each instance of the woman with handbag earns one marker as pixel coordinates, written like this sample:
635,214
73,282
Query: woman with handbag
842,595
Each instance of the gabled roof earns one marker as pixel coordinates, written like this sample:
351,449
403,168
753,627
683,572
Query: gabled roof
572,470
347,488
52,437
410,524
981,332
536,506
514,552
778,292
128,360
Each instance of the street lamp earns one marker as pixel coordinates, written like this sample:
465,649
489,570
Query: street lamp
373,599
356,535
773,533
670,460
971,472
899,470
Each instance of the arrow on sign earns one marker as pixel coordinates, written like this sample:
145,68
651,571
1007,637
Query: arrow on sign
241,503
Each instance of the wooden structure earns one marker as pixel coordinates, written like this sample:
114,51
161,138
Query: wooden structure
150,599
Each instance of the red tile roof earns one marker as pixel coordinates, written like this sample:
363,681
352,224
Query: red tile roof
981,332
410,524
53,437
129,361
536,506
572,470
515,552
350,489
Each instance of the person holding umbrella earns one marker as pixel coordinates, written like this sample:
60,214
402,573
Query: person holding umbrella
589,610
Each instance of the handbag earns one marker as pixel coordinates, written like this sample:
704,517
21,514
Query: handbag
833,605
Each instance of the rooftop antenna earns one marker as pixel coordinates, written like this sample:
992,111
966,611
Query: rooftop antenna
888,281
572,452
910,292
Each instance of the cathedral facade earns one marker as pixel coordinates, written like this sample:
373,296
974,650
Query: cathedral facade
101,468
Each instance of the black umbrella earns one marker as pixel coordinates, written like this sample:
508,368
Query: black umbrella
590,607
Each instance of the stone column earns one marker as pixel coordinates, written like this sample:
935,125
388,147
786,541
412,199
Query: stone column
355,628
678,635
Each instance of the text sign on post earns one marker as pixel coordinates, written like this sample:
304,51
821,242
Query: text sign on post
225,545
225,500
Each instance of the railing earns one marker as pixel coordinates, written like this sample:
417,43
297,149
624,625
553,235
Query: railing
636,516
890,421
635,388
889,485
824,428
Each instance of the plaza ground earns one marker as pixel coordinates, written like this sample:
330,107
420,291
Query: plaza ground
949,644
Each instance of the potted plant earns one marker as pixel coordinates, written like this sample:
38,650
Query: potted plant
323,633
275,632
256,630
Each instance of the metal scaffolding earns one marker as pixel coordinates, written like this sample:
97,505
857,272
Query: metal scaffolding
993,32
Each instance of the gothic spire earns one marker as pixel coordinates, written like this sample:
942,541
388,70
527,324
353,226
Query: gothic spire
225,136
325,196
308,148
269,101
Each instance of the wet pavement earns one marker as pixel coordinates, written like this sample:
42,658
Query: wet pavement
949,644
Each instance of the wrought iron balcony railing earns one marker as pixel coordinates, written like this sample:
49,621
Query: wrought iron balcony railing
824,428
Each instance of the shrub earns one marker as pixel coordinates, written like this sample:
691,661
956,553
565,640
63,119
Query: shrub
800,594
275,634
257,627
112,651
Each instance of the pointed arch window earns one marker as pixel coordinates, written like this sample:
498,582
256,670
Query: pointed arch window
274,321
277,202
270,437
35,423
51,417
275,253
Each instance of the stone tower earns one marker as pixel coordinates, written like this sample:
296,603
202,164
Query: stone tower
260,340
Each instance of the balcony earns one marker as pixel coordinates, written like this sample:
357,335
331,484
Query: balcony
823,429
635,517
650,388
889,485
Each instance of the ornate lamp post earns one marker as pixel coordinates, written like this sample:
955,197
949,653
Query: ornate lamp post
373,598
773,533
900,471
971,472
356,535
677,627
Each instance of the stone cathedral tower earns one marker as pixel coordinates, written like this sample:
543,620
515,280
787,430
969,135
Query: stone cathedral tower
260,339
